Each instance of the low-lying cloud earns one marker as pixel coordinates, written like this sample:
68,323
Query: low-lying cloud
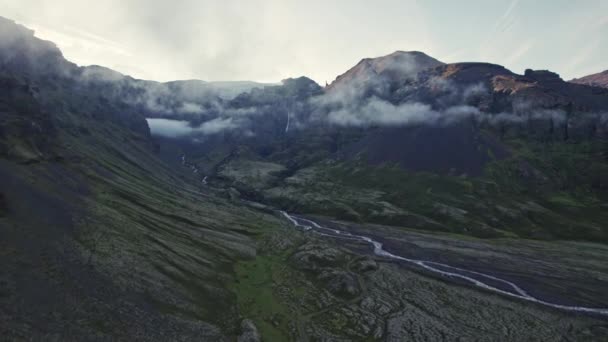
169,128
179,128
370,98
379,112
191,108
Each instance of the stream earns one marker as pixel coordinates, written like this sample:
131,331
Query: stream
478,279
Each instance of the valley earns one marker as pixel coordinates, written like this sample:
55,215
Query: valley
471,256
368,291
409,199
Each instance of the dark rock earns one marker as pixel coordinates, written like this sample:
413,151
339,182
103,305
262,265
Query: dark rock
301,86
3,205
365,265
341,283
27,133
7,286
542,75
312,257
249,332
530,173
234,194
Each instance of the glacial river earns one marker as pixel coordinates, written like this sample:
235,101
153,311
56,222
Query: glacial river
479,279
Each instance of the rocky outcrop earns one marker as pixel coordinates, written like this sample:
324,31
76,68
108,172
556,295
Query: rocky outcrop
542,75
3,205
365,264
327,265
249,332
27,134
313,257
340,283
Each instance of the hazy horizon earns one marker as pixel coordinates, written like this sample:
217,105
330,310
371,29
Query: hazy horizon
267,41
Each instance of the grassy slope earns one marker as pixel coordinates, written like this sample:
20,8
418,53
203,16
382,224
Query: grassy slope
122,245
544,190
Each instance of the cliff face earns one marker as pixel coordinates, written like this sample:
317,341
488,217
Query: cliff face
27,133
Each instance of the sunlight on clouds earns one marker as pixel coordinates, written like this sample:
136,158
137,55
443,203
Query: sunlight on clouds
79,46
269,40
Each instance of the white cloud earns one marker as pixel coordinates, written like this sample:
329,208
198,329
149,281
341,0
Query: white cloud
179,128
269,40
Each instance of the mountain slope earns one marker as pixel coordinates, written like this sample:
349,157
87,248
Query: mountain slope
99,237
510,154
597,80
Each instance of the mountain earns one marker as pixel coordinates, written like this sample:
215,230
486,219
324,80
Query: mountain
495,89
110,231
597,80
100,238
191,89
489,95
396,66
37,58
377,74
534,137
157,99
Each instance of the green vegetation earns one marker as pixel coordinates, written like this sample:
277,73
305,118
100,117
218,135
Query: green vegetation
100,239
121,244
255,287
544,190
286,291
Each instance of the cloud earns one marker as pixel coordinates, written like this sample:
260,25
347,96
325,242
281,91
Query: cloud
179,128
261,40
190,108
367,100
217,125
378,112
169,128
519,52
556,115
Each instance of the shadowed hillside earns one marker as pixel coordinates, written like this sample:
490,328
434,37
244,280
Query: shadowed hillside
109,231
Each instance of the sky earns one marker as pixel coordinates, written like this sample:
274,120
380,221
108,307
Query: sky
269,40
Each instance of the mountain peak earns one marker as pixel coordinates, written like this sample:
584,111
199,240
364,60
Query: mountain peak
399,65
20,49
412,52
301,85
